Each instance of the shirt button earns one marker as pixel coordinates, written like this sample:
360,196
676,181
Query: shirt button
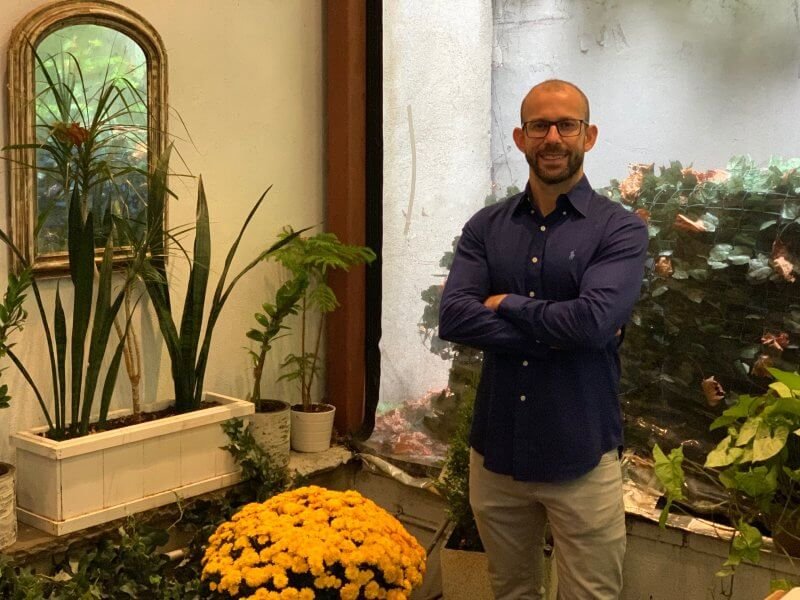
534,260
542,228
563,213
524,363
522,398
531,294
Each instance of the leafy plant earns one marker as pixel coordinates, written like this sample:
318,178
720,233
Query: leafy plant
453,484
719,299
128,563
188,356
12,319
286,303
262,478
757,465
78,140
312,258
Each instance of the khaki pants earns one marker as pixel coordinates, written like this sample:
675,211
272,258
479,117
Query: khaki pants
587,520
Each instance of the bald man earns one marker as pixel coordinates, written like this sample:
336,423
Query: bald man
544,283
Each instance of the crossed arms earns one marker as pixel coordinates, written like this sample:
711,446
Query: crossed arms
472,315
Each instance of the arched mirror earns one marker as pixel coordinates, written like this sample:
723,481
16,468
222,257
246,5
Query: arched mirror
87,82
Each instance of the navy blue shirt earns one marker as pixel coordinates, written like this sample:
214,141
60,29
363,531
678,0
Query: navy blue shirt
546,407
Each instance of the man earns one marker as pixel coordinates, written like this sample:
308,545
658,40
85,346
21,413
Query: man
543,283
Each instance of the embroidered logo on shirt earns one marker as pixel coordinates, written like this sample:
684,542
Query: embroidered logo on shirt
572,255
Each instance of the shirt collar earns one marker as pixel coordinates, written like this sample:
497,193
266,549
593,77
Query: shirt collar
579,197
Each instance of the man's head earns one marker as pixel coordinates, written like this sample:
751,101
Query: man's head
555,133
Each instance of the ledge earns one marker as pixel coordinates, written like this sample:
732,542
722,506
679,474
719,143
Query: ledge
32,543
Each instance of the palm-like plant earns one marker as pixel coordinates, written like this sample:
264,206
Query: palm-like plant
78,145
313,258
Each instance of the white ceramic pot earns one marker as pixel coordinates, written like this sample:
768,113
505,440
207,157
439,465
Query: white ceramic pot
270,428
74,484
311,431
8,508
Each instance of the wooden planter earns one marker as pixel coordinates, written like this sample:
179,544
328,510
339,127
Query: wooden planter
71,485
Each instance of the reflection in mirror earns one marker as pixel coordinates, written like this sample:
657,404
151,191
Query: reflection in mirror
91,90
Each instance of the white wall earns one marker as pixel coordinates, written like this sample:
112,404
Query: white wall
692,80
247,78
437,61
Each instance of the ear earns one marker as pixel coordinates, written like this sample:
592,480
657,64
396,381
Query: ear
519,139
590,138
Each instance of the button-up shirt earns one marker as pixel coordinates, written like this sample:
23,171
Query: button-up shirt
547,406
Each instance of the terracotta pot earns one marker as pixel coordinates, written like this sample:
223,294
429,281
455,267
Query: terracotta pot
270,427
311,431
8,506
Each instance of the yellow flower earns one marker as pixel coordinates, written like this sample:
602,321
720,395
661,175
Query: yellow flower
271,547
349,591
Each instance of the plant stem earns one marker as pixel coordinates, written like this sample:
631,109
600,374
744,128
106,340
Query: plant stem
257,371
316,352
305,395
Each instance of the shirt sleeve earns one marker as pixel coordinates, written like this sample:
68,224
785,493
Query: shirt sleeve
609,289
462,316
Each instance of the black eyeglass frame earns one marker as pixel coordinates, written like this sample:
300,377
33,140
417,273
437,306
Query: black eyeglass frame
550,125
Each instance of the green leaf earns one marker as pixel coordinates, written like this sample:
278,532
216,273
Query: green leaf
722,455
748,431
60,333
756,482
767,444
746,545
669,471
791,380
255,335
781,389
194,305
81,259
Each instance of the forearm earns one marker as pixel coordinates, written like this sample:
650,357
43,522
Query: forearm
467,321
609,289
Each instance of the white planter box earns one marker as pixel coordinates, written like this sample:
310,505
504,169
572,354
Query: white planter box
71,485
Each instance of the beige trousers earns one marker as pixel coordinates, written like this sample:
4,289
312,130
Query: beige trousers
587,520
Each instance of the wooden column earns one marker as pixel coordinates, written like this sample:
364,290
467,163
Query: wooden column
346,205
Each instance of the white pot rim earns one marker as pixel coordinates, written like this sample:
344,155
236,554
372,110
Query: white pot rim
298,408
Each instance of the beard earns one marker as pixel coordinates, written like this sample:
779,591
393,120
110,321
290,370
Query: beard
550,174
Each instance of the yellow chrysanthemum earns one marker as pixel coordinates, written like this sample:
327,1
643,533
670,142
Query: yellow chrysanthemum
266,548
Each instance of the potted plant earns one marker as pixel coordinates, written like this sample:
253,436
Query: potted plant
312,258
757,465
270,423
68,480
312,543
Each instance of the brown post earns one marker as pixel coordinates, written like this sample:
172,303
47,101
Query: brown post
346,206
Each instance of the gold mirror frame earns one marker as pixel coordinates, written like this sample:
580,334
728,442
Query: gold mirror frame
21,109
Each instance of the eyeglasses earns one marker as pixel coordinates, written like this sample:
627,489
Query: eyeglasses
566,127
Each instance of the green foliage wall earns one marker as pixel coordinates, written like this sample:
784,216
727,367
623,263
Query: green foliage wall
720,299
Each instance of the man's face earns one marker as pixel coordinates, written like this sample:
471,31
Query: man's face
555,159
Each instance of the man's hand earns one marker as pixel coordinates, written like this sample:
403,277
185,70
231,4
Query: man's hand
492,302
